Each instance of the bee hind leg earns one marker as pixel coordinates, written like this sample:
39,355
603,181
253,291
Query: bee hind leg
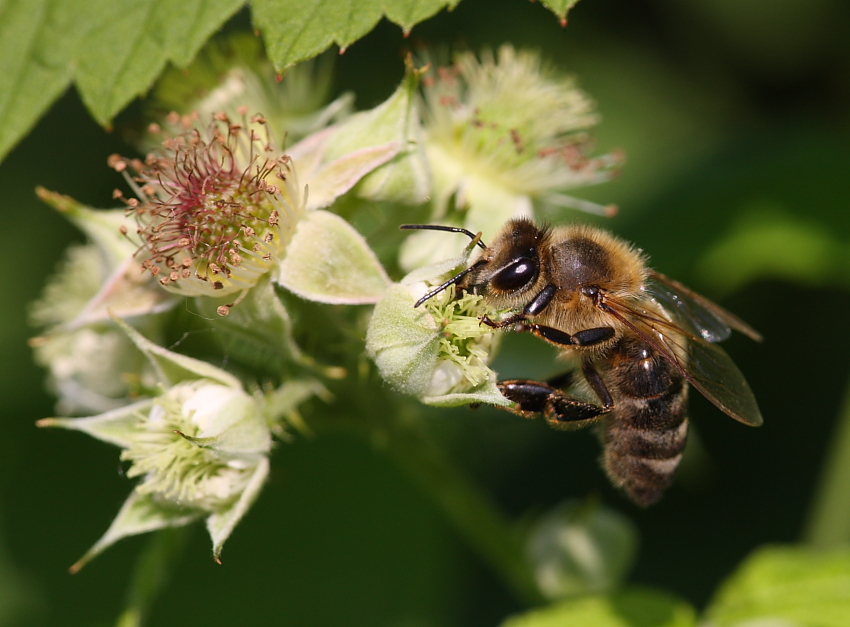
559,409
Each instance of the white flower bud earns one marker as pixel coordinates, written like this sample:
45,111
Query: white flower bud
200,449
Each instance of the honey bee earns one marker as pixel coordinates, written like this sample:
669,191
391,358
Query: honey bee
640,338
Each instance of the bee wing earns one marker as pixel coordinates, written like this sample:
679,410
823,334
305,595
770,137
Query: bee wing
693,312
706,366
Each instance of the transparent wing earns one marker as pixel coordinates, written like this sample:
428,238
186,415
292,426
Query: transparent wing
704,365
694,313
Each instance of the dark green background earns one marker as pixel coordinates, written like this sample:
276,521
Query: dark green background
721,107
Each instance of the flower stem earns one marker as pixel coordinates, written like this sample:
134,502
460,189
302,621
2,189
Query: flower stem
151,573
829,516
471,512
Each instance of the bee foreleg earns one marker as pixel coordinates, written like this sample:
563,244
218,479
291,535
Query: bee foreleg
585,337
535,397
537,304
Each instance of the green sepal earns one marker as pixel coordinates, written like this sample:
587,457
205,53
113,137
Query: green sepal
406,178
328,261
117,426
257,331
139,514
403,342
172,368
328,179
221,524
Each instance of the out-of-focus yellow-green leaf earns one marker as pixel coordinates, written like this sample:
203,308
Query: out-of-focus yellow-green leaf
797,584
767,242
634,607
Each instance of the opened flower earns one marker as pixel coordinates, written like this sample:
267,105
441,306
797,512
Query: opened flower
215,209
502,134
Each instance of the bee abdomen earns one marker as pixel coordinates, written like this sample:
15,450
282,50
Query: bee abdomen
643,442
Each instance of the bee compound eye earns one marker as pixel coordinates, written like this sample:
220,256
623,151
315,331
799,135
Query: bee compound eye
516,275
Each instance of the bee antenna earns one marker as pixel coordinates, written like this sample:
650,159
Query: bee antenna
450,282
451,229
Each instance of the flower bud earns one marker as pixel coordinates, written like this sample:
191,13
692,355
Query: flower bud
581,548
438,351
200,448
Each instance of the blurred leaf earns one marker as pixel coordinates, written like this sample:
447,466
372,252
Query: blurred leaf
793,583
113,50
766,242
295,30
634,607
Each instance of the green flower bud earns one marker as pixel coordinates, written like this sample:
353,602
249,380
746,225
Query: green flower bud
438,351
581,548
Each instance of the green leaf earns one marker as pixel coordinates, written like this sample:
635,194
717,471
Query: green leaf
295,30
257,331
811,253
560,8
115,50
634,607
797,584
37,41
131,42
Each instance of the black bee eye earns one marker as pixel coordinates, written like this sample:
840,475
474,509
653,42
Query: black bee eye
516,275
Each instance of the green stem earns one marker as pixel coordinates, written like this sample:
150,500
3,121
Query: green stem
150,574
829,516
394,426
472,513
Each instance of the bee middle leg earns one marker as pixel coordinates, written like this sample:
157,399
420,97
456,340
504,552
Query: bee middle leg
559,409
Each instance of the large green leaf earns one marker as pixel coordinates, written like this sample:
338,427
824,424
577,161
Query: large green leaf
295,30
114,50
807,587
129,43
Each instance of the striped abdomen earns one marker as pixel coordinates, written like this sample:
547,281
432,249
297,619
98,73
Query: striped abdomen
643,437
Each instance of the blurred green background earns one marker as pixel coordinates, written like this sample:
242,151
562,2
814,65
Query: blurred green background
734,119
